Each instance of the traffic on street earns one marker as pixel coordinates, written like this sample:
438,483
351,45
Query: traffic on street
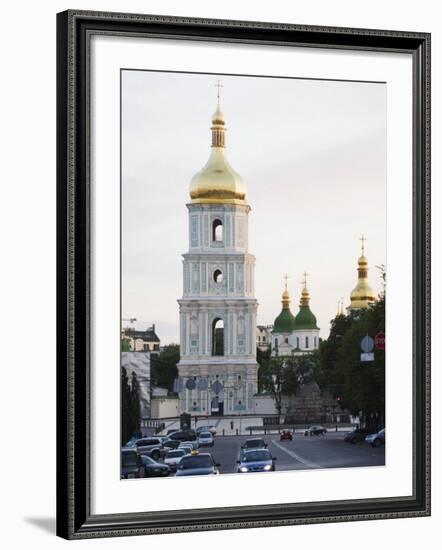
186,452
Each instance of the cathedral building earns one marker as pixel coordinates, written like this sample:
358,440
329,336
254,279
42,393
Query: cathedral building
295,335
362,296
218,368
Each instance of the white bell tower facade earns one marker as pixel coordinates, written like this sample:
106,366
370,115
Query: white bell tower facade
218,368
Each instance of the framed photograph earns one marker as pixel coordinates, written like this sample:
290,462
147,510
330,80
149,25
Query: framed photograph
243,274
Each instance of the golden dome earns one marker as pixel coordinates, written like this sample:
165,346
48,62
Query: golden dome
362,295
217,182
286,299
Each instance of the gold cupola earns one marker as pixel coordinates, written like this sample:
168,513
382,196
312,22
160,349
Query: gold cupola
285,322
362,295
217,182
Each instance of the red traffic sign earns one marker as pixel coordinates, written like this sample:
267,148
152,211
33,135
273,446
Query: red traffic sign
379,340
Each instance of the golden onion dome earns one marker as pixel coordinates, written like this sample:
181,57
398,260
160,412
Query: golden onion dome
217,182
362,295
286,298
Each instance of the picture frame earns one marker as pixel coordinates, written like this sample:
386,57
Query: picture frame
75,216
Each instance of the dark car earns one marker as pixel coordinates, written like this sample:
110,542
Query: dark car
154,469
131,464
356,436
197,465
377,439
252,443
184,435
315,430
286,434
171,443
259,460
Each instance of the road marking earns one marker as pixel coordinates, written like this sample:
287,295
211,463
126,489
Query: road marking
296,456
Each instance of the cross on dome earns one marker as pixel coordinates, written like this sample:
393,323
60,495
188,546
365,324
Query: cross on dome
219,86
362,239
304,280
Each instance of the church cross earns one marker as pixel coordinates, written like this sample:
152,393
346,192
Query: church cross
304,281
362,239
219,86
286,278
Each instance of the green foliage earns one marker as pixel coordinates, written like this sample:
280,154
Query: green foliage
130,406
164,366
125,346
360,386
281,376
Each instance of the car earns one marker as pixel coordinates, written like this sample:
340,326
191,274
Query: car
201,464
210,429
173,458
357,435
131,464
193,444
184,435
205,439
377,439
151,446
286,434
256,460
254,443
171,444
315,430
188,449
172,431
153,468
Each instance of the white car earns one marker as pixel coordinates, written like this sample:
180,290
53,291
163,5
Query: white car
173,458
193,444
186,448
205,439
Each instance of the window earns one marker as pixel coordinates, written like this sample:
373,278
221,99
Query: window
315,342
306,341
297,341
218,337
276,342
217,231
218,276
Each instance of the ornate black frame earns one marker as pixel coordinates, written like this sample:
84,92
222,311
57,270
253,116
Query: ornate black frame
74,29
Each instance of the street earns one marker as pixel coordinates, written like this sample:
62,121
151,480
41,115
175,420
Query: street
329,451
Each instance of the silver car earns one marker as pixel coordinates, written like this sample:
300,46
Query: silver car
150,446
173,458
205,439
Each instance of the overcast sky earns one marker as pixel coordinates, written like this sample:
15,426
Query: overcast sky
312,155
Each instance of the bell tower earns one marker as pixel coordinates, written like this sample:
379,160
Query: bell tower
218,368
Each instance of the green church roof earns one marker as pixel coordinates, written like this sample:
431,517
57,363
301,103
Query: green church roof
285,322
305,320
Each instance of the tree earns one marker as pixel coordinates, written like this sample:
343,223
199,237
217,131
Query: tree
125,345
362,384
359,386
130,406
280,377
163,366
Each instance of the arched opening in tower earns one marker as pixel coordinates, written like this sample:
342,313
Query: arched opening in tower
218,337
217,230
